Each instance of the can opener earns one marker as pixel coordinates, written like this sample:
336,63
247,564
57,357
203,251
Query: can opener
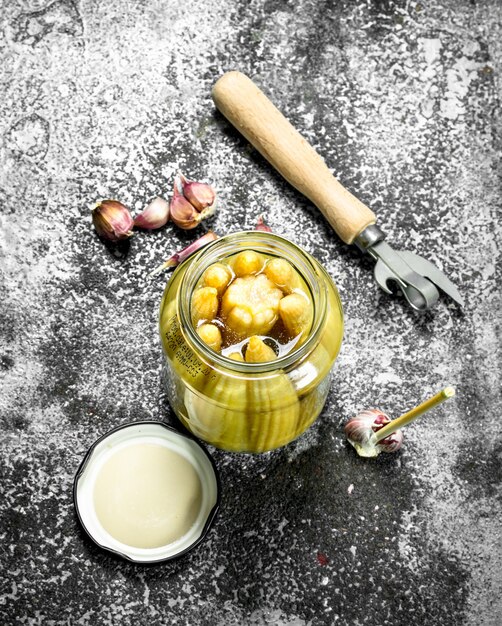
264,126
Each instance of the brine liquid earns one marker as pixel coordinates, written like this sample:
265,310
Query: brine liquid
147,496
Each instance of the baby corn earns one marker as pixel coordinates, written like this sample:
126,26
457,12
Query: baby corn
296,313
204,305
281,273
219,414
210,335
218,276
247,263
258,352
250,305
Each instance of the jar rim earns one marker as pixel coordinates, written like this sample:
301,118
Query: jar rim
269,243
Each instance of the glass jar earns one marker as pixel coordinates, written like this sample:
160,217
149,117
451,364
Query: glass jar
239,406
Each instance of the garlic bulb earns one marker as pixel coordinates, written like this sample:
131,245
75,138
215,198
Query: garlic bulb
280,272
204,305
361,429
247,263
210,335
218,415
258,351
218,276
271,400
372,432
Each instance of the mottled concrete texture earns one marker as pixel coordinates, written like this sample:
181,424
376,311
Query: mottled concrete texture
109,99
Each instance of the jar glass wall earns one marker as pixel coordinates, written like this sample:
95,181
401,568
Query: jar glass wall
240,406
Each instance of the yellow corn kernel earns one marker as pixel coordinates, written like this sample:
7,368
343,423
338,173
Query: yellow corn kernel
204,304
296,313
247,262
282,273
250,306
258,352
210,335
218,276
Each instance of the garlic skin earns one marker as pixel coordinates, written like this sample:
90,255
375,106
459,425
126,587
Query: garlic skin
360,431
112,220
182,255
154,216
191,202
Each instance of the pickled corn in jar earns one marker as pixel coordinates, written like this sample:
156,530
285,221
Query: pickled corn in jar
250,327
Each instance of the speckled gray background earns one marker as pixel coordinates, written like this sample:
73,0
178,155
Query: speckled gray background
109,99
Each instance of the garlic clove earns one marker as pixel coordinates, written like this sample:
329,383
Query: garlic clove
154,216
265,318
261,225
200,195
239,321
191,202
112,220
182,213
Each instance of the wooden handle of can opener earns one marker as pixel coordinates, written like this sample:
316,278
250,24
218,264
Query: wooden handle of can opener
264,126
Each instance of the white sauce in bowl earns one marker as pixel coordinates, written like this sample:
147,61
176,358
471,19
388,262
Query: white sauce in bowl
147,495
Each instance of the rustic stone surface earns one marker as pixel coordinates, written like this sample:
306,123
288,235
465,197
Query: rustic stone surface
109,100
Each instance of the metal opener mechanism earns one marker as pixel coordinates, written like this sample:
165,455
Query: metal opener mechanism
417,278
